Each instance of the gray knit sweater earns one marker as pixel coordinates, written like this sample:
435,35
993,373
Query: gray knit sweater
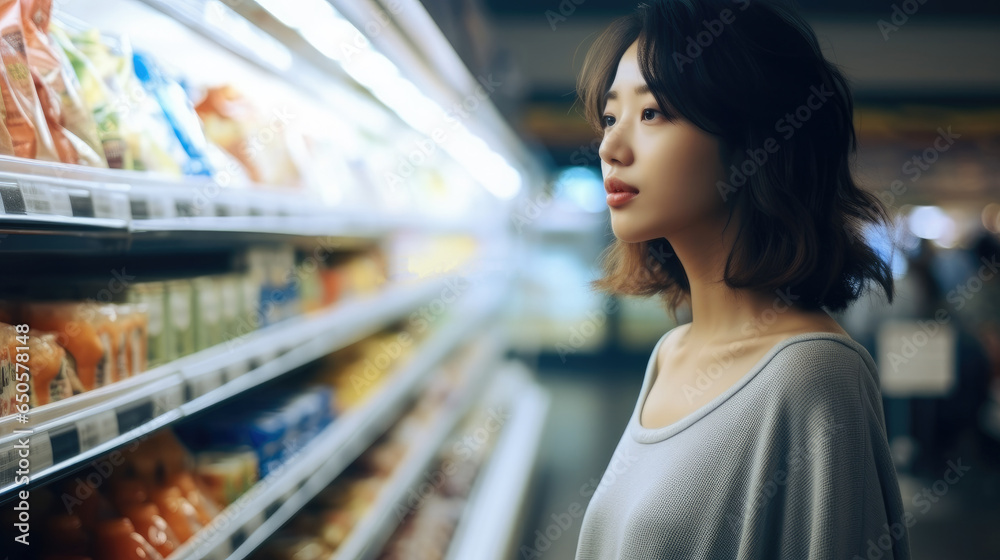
791,462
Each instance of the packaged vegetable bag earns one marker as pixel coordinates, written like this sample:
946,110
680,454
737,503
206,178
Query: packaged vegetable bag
23,115
70,121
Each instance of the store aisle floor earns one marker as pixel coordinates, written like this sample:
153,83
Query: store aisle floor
591,405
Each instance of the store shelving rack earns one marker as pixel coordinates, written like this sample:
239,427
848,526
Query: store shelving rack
57,209
263,509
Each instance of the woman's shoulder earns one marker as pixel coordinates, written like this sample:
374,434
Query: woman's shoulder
822,370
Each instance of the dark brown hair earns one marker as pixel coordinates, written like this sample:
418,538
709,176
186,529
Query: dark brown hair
751,73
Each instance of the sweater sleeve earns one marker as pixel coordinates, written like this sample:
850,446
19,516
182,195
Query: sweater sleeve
835,506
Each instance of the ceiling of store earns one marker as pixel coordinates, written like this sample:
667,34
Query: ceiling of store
946,59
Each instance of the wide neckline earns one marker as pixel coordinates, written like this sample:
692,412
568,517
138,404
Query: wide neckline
654,435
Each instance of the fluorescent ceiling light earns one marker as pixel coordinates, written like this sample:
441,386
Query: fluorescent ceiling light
330,33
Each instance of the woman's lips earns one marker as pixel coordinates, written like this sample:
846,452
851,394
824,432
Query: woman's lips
618,199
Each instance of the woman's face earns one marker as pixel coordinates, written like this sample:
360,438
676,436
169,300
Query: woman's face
673,165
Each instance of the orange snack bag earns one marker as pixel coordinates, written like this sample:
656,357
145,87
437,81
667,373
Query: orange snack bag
75,326
51,375
23,114
70,121
8,371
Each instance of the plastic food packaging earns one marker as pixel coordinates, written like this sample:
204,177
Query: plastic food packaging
133,115
8,371
208,312
135,327
177,510
23,115
76,123
231,120
205,508
295,548
50,376
180,318
104,105
226,474
153,527
74,324
109,328
118,540
151,297
179,112
230,296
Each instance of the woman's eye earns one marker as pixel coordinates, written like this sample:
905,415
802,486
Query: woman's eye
649,114
607,120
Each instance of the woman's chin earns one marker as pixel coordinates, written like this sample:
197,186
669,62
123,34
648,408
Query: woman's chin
630,235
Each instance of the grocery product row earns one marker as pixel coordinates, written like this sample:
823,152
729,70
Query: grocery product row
222,483
80,427
76,346
113,124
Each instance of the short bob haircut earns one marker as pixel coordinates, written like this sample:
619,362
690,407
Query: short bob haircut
751,73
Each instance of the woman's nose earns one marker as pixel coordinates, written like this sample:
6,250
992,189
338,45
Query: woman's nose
615,149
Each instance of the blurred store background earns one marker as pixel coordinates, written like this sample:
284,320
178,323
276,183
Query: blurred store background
309,279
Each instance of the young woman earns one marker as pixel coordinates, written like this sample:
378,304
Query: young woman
759,431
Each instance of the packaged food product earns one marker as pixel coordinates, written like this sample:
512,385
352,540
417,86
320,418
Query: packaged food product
205,507
105,105
134,318
180,319
163,456
6,142
151,296
179,112
8,371
109,328
118,540
333,283
208,312
70,121
251,304
180,515
23,115
151,525
76,327
138,118
226,474
295,547
230,296
51,376
127,492
94,508
230,121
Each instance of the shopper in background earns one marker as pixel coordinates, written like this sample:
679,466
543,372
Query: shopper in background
759,430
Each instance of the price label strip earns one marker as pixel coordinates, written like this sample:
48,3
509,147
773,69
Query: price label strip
41,452
111,205
8,465
37,199
11,199
97,429
168,399
236,370
205,383
161,207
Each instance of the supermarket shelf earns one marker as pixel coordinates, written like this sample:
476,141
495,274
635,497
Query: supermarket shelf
374,529
68,433
48,207
489,523
256,515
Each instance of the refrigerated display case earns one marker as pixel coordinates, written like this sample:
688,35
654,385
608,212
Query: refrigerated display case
272,185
